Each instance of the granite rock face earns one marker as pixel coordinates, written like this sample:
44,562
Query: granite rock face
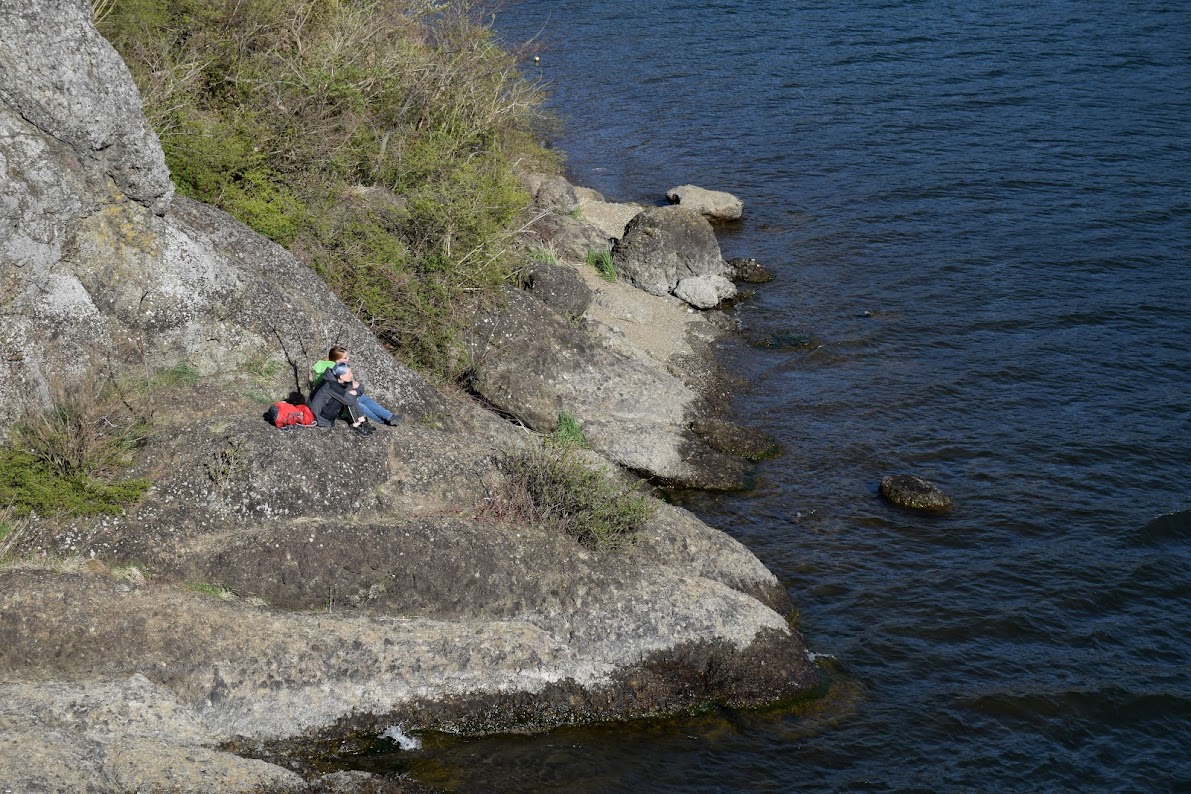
531,363
102,267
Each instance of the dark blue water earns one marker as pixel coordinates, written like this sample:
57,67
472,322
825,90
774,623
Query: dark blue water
1005,187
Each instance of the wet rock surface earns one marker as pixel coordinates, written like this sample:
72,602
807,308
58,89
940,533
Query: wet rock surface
748,271
908,490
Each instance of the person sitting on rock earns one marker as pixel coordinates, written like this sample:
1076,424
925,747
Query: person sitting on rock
333,396
368,406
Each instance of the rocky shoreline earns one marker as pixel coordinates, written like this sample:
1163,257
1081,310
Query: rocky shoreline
274,590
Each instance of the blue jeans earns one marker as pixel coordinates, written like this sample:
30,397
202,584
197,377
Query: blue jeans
373,410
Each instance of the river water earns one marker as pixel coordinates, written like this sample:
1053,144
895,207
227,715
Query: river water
979,215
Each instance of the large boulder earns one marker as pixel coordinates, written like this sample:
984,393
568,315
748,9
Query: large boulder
75,136
664,246
713,204
556,194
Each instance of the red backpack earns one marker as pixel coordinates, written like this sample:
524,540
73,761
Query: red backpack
285,415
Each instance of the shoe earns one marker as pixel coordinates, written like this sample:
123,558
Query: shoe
394,420
362,429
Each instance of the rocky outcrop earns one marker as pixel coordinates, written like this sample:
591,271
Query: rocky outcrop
556,194
532,364
104,268
672,250
369,586
715,205
560,288
611,218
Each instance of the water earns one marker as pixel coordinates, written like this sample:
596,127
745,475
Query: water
1004,188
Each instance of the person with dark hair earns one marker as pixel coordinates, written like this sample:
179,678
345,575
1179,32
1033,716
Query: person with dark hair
335,395
367,406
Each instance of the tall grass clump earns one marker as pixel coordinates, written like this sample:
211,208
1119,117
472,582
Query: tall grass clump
568,432
377,139
602,261
553,486
68,458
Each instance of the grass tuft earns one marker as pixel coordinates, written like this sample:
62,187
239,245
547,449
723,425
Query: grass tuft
568,433
67,459
602,262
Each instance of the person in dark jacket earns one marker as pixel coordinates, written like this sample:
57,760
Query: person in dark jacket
335,395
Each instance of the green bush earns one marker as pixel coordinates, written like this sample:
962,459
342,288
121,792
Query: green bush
28,484
375,138
552,486
86,431
66,458
543,256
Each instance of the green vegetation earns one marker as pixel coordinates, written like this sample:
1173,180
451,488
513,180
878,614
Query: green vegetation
66,459
262,368
602,262
552,486
377,139
30,485
206,588
226,463
568,433
544,256
181,374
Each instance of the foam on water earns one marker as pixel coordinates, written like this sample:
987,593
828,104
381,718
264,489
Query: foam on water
395,734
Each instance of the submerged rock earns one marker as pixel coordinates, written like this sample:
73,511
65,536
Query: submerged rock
748,270
907,490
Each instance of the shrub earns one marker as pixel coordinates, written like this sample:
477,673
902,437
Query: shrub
551,486
87,430
65,459
28,484
543,256
602,262
276,110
